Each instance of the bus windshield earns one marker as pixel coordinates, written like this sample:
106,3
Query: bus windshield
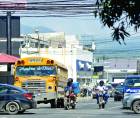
35,70
132,82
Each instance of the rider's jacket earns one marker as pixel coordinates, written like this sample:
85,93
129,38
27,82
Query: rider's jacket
74,88
68,88
101,88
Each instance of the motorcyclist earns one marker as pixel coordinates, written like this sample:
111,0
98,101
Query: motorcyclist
72,87
104,89
68,88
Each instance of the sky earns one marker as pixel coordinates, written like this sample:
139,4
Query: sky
69,25
85,25
88,25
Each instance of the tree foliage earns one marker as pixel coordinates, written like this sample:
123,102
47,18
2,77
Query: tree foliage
119,15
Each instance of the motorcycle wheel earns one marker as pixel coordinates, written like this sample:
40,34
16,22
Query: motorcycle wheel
103,105
100,106
73,106
66,107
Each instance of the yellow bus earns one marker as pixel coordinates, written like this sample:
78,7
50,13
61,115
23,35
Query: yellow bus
44,77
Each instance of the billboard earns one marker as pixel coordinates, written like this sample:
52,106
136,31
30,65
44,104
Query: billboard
12,4
84,69
83,65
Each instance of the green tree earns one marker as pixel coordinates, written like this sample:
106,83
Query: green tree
119,15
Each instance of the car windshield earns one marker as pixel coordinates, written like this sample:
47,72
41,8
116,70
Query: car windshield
114,85
132,82
119,88
35,70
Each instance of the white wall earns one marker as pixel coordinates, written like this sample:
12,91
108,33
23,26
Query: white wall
66,56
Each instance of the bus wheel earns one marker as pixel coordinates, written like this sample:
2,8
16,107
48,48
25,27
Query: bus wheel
53,103
60,103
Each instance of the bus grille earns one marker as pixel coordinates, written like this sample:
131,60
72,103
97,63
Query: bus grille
34,86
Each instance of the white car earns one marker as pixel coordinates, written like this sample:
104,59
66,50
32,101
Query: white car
132,101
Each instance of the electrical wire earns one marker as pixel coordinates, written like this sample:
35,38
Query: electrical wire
56,8
51,7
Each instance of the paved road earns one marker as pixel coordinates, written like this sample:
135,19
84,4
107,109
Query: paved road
86,108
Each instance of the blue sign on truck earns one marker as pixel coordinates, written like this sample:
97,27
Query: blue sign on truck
132,84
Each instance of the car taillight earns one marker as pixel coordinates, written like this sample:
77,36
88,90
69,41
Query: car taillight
29,96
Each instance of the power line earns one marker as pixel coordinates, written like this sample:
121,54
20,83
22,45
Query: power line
56,7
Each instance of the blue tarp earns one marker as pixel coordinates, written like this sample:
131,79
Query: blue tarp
76,87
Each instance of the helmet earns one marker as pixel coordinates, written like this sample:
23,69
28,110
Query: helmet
70,80
101,83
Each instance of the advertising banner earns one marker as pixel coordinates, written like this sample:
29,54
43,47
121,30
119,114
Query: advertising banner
84,69
83,65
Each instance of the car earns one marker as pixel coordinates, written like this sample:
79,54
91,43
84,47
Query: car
15,100
132,102
131,98
110,90
118,93
114,85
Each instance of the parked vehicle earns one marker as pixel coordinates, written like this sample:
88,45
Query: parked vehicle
15,100
114,85
118,93
131,98
132,102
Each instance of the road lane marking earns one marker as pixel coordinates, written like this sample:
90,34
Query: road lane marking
115,107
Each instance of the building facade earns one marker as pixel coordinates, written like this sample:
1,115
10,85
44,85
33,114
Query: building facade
66,50
115,70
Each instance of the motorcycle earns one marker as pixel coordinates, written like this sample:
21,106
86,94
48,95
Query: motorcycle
70,101
101,100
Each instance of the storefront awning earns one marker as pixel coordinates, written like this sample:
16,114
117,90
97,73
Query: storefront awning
5,58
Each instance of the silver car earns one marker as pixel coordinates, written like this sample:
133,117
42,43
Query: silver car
132,101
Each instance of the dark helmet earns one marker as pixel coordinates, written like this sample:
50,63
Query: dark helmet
70,80
101,83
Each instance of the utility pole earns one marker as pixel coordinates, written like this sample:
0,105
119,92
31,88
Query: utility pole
8,35
9,44
38,38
